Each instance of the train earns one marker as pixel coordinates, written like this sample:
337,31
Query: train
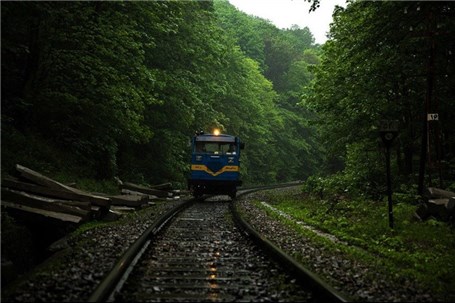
215,164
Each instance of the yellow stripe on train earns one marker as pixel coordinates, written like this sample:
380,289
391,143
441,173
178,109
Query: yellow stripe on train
227,168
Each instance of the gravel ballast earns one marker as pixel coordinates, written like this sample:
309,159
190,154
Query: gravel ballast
359,281
74,272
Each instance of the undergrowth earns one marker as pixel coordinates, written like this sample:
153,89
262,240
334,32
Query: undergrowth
413,249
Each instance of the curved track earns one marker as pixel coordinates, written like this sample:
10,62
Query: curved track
202,256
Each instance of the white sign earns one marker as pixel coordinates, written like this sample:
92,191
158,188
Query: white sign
432,117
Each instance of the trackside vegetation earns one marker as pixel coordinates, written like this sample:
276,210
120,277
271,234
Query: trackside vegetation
422,251
96,91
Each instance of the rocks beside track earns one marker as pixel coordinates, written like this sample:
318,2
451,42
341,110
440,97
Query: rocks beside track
38,210
82,260
360,281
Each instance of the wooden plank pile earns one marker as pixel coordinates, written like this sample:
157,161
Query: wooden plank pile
151,192
36,195
438,203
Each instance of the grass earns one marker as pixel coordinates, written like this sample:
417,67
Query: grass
421,250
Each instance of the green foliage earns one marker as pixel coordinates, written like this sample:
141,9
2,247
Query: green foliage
378,68
246,31
89,86
365,169
327,187
41,154
117,89
422,250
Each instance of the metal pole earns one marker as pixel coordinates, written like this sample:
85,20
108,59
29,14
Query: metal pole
389,187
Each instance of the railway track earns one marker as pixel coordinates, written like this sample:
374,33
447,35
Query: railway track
204,251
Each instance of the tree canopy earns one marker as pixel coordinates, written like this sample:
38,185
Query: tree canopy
118,88
394,68
107,89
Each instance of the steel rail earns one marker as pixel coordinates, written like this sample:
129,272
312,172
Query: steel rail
111,281
326,291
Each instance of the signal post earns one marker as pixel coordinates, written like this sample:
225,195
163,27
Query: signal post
389,131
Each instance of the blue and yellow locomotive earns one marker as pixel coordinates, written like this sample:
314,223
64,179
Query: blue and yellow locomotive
215,164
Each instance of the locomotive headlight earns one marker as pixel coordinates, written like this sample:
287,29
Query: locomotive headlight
216,131
198,158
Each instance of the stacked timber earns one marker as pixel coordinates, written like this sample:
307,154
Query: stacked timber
34,195
38,195
152,192
438,203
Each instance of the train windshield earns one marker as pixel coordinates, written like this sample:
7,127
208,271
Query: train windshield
217,148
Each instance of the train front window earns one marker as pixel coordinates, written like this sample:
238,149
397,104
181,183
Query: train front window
200,147
216,148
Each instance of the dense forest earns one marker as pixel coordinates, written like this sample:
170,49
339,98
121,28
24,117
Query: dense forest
98,90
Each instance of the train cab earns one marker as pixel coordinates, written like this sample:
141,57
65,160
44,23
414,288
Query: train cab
215,164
